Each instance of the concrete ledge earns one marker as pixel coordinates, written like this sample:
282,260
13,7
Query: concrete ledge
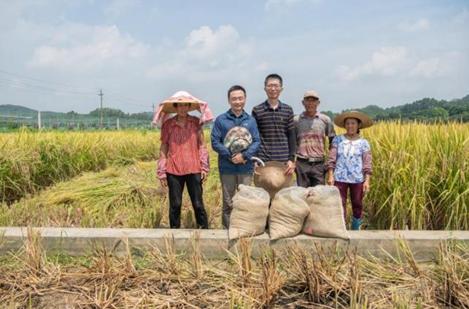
214,243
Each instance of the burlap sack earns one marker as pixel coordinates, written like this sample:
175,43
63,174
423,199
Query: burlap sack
250,212
272,177
326,217
288,212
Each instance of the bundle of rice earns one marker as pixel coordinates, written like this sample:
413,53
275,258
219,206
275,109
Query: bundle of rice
288,212
326,217
250,211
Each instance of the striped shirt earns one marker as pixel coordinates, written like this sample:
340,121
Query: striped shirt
277,132
187,154
311,133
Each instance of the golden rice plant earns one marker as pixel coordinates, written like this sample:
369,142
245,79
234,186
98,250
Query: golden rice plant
128,196
420,178
30,161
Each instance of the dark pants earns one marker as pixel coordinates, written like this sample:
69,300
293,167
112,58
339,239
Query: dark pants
356,196
176,187
309,174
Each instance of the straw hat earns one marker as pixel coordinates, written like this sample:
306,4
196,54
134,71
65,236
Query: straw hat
271,177
181,97
365,121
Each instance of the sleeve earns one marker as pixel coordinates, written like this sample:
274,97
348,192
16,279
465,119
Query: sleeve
332,157
330,131
367,159
161,168
203,152
161,164
256,141
164,133
253,114
217,140
291,137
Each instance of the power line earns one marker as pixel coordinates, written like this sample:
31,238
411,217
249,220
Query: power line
36,85
78,89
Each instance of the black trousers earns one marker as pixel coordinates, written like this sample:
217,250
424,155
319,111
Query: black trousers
310,174
176,187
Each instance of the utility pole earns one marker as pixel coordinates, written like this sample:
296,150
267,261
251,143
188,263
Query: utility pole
39,125
101,109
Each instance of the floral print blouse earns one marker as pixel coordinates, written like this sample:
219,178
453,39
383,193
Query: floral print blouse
350,159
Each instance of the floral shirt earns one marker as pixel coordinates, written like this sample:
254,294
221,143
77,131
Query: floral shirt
350,159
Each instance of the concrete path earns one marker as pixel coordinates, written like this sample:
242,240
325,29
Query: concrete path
214,243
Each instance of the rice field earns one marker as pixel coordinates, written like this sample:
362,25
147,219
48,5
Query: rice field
290,278
107,179
31,161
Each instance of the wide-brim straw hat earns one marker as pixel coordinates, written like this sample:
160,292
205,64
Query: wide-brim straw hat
237,139
365,121
181,97
271,177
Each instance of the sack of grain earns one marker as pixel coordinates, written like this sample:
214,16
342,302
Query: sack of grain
288,212
250,212
326,217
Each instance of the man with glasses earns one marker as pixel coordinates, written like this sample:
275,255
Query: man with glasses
276,126
312,129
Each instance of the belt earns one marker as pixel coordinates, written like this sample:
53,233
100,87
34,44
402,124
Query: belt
311,160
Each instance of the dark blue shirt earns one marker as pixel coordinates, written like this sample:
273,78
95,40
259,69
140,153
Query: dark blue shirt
222,125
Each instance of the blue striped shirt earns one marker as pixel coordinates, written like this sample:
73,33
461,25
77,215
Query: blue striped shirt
277,132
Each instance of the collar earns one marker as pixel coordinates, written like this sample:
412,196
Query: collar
230,113
303,115
268,107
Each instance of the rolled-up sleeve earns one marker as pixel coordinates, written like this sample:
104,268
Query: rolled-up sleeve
367,159
367,163
332,158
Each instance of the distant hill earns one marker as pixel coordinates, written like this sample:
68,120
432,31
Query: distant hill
12,110
427,109
9,110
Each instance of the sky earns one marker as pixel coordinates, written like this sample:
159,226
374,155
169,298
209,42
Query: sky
56,54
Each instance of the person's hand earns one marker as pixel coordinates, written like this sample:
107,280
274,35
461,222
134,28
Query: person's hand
203,176
238,159
290,167
330,179
366,186
164,183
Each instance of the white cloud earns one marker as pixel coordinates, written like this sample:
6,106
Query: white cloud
205,43
77,47
426,68
385,62
419,25
281,4
206,52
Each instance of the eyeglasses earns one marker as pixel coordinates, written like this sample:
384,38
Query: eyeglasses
273,86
